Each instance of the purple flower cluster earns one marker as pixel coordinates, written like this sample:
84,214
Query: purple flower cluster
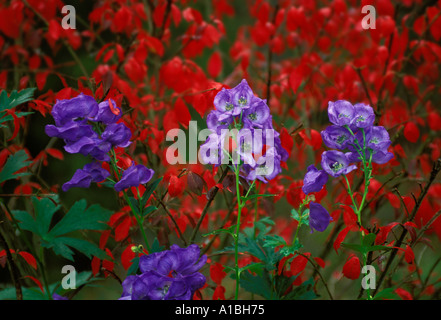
167,275
353,131
92,129
245,118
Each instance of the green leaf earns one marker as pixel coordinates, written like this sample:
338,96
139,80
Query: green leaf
387,293
15,162
273,241
87,248
369,239
231,230
260,285
80,218
61,246
156,247
287,250
148,210
302,220
256,267
15,98
133,269
44,210
149,191
10,117
303,292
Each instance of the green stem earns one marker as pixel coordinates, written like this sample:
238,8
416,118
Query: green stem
138,218
236,236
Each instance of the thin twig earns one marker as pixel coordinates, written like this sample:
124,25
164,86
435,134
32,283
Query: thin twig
435,170
207,205
12,267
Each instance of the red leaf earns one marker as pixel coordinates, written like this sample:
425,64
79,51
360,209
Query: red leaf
409,255
405,295
108,264
217,273
55,153
16,123
127,256
352,269
181,109
411,132
219,293
122,230
36,281
96,263
176,186
214,65
341,236
298,264
320,262
29,259
40,79
295,80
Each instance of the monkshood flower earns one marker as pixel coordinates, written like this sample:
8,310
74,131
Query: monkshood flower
134,176
216,125
82,178
341,112
244,120
267,167
257,115
92,129
337,137
319,217
167,275
364,116
117,134
336,163
82,106
378,139
108,112
314,180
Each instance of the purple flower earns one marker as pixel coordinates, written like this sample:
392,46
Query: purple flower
134,176
210,151
249,143
341,112
107,114
168,275
314,180
82,178
337,137
223,101
214,124
231,102
378,139
364,116
267,167
257,114
56,296
242,96
82,106
72,131
117,134
90,145
336,163
319,218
